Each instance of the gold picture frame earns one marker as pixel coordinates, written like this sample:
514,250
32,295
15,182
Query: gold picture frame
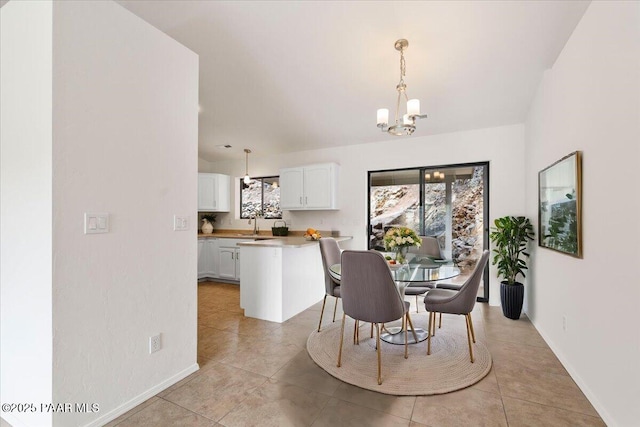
560,206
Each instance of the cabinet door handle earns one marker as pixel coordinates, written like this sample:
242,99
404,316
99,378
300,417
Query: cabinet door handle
300,199
306,202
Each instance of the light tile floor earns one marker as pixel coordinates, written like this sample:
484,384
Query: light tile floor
257,373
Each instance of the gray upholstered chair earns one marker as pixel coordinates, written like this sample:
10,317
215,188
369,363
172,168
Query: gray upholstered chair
370,294
456,302
430,248
330,252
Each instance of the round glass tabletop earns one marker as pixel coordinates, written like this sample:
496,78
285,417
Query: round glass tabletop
418,270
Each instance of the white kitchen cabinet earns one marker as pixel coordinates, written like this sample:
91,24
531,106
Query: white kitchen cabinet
312,187
228,258
207,258
214,192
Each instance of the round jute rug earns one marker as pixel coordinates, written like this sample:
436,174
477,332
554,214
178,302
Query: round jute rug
446,369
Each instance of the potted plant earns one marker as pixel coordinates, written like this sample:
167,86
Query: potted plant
510,237
207,223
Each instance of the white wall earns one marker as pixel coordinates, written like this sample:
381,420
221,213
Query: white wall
80,308
125,142
25,203
590,101
503,147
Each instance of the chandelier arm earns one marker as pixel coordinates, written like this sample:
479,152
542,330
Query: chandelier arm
398,105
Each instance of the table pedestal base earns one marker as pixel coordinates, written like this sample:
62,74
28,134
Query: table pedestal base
395,335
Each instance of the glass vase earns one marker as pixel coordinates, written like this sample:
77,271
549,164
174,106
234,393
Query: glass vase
401,254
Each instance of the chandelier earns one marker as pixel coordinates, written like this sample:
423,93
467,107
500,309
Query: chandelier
405,124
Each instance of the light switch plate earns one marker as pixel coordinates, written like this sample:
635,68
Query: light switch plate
180,223
96,223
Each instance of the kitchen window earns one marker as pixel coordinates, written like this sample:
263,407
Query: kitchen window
261,196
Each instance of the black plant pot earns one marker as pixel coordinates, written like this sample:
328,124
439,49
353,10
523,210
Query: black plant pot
511,297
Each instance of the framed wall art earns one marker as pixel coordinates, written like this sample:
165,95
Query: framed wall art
560,206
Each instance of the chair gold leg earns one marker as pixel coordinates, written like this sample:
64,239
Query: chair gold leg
355,332
473,334
406,338
431,315
433,325
413,330
440,321
324,301
372,330
469,339
335,307
341,339
417,306
379,357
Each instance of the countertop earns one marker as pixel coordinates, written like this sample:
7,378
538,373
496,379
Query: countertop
287,242
236,235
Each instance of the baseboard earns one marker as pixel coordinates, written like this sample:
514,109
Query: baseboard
597,405
127,406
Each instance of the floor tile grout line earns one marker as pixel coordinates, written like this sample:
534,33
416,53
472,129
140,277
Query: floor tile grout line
553,406
187,409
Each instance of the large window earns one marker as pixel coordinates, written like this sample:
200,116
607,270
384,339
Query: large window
447,202
261,197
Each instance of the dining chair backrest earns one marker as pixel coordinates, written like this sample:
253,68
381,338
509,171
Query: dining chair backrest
466,296
330,252
368,290
429,247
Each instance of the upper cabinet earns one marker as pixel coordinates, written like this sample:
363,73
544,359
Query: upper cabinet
312,187
214,192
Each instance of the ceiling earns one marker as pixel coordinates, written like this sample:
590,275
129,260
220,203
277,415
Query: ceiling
283,76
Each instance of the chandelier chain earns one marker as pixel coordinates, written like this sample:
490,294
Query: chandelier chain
403,68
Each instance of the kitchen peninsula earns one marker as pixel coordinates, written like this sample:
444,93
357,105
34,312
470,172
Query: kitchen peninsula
281,277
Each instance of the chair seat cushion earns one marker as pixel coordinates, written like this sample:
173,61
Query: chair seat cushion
440,300
450,286
414,290
421,285
336,292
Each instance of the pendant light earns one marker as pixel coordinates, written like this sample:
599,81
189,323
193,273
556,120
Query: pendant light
247,178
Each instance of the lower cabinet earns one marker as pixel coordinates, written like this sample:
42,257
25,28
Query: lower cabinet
219,258
229,258
207,257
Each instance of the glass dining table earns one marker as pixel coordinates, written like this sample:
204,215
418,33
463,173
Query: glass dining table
417,270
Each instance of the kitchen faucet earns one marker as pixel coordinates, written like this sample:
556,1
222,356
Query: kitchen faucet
255,222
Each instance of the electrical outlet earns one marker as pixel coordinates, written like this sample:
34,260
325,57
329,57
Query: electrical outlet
154,343
564,323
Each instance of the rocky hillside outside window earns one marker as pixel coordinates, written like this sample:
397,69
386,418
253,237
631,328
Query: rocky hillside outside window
261,197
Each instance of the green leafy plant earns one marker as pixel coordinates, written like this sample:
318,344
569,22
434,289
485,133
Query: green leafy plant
510,237
209,217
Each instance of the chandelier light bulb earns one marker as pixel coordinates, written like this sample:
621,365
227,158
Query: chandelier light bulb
383,116
413,107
